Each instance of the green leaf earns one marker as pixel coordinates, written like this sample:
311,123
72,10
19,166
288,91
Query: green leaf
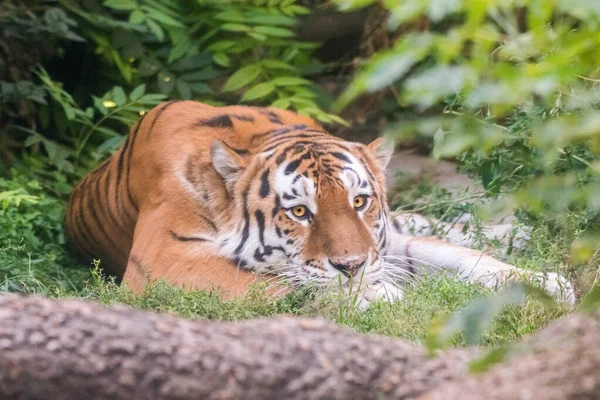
162,18
137,17
204,74
235,27
194,62
276,64
272,20
221,45
232,15
290,81
33,139
222,59
184,89
119,96
111,145
200,88
297,9
182,47
156,30
121,4
273,31
281,103
138,92
258,36
242,77
427,88
258,91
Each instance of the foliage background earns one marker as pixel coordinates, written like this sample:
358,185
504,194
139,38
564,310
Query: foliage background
506,88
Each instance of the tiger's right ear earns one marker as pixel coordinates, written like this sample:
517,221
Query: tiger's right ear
227,162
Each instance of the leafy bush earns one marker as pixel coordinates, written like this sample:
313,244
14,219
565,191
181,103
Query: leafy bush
517,84
99,66
33,254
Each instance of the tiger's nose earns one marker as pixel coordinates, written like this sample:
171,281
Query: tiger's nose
348,265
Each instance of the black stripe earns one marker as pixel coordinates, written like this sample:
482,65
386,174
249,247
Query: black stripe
221,121
312,145
274,143
209,222
241,152
85,229
265,188
120,172
246,231
159,112
279,131
293,165
246,118
98,221
187,238
73,230
260,220
129,155
277,206
340,156
116,221
271,115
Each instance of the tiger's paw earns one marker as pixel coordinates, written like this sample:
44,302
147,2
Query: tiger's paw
379,291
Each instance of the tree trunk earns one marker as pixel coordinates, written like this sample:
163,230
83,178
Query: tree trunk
71,349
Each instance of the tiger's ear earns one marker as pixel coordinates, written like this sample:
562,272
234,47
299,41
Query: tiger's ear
227,162
382,149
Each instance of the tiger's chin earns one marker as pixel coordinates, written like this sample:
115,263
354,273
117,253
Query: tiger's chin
375,283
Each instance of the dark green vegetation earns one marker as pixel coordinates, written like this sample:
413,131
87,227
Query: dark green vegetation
510,92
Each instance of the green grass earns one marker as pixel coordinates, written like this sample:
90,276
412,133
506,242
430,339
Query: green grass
34,258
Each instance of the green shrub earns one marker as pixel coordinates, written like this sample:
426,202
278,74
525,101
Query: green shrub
33,251
516,81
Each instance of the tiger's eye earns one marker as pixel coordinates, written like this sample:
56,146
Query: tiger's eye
299,211
359,202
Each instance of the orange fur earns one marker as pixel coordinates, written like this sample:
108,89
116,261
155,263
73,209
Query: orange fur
142,210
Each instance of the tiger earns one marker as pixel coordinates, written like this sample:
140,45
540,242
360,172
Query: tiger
205,197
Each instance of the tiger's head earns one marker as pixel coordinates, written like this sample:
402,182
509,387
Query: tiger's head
310,207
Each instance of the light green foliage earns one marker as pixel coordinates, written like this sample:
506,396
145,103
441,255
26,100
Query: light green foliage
517,79
182,46
79,125
70,105
33,254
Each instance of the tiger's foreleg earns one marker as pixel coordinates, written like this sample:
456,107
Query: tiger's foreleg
169,246
422,255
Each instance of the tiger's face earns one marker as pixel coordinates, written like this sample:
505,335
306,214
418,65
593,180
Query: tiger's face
313,207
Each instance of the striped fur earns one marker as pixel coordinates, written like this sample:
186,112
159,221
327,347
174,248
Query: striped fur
164,207
205,197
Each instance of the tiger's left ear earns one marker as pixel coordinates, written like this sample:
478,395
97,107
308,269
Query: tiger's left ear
382,149
227,162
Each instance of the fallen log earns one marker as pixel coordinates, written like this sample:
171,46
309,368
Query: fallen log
72,349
